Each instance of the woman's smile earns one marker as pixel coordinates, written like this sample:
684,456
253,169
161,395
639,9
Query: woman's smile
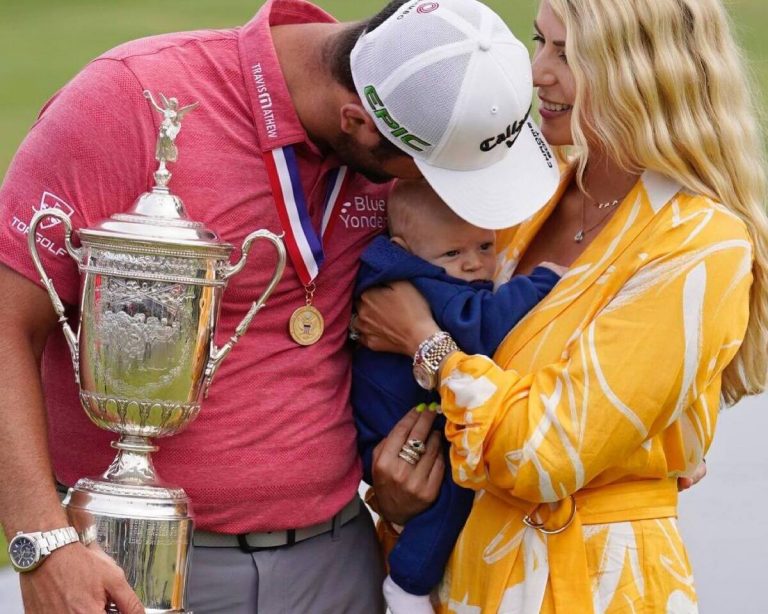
553,110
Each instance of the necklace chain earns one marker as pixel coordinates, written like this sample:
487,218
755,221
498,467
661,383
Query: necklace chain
579,236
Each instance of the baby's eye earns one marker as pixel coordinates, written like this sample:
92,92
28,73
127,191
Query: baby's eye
486,246
452,253
538,39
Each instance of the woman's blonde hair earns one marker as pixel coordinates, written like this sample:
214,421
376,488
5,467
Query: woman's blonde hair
661,84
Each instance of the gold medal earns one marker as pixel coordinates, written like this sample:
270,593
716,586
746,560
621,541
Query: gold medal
306,325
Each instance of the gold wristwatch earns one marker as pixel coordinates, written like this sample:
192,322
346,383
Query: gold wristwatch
427,359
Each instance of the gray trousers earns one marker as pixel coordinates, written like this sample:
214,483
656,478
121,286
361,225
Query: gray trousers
338,572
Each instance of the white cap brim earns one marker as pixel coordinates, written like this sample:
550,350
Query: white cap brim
503,194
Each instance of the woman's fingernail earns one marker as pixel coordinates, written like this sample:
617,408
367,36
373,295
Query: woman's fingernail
421,407
433,406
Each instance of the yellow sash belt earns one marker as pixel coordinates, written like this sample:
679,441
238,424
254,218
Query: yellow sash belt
622,502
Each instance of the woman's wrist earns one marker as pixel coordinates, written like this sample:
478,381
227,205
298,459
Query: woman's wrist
420,334
429,356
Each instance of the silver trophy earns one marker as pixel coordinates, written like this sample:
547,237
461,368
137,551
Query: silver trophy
144,355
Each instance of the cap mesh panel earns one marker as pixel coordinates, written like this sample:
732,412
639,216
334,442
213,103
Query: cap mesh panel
415,106
401,47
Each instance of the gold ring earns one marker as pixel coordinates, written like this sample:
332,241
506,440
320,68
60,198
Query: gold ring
409,457
528,521
417,445
410,453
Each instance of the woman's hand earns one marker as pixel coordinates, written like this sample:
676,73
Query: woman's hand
404,490
394,318
686,482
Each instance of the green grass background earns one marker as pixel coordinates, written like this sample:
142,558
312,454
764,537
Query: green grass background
43,43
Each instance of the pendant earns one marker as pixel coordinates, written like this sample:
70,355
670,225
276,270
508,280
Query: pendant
612,203
579,237
306,325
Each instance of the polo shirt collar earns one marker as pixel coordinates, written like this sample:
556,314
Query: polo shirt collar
277,123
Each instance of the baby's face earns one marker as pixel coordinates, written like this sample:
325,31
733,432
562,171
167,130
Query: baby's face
464,251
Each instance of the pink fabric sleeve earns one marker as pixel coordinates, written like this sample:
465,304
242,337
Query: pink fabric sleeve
89,154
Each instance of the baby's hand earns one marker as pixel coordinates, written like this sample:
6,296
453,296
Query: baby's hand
555,268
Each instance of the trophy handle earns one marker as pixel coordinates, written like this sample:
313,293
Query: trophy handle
76,254
219,354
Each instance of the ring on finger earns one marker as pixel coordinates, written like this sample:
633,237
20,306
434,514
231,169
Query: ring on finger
354,334
409,456
408,452
417,445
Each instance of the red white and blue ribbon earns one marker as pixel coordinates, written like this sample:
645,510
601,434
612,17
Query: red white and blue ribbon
303,242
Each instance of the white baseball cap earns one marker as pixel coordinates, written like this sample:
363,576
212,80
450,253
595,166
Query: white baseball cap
450,85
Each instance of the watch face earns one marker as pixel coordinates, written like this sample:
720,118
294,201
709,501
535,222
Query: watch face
24,552
423,377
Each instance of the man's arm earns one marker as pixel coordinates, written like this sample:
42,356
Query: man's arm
72,578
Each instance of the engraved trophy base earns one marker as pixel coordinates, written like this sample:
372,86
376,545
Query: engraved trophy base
145,526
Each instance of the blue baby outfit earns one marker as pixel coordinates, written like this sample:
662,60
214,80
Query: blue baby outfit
383,388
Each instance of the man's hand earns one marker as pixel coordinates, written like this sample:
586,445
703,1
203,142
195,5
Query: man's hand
404,490
77,579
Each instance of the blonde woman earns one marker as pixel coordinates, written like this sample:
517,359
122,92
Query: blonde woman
574,434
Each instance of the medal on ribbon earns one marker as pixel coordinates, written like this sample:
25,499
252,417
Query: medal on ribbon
303,242
306,325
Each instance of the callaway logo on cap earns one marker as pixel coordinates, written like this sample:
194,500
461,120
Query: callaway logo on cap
451,86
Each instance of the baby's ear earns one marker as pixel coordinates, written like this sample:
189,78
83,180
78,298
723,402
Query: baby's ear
401,242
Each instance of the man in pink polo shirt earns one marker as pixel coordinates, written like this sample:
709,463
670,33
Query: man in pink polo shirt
273,449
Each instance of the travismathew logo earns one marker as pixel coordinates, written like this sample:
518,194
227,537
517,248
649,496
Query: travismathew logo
265,100
47,201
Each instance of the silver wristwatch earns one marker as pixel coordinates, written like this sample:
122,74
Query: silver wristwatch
28,550
427,359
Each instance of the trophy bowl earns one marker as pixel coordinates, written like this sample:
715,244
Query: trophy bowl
145,335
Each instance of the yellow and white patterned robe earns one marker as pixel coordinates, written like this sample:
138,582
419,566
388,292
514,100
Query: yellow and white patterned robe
609,390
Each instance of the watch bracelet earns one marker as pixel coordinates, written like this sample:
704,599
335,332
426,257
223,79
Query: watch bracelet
426,345
54,539
440,351
57,538
433,349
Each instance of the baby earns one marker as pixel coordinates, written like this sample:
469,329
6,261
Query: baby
452,263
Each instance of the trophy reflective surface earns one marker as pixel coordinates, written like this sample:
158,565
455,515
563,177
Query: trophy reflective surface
144,355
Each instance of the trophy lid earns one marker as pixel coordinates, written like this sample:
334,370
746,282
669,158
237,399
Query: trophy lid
159,217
